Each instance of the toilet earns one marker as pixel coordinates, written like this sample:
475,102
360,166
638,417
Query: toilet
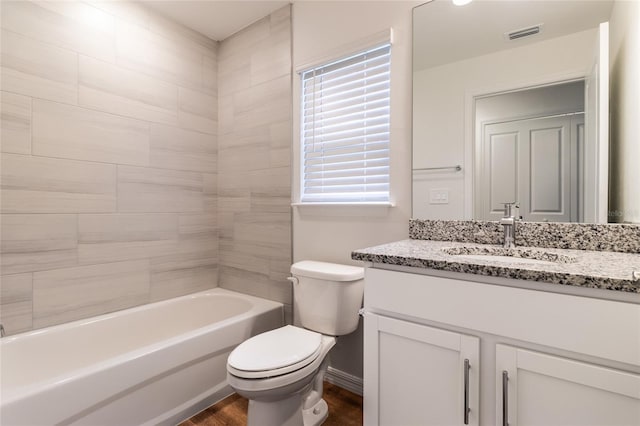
281,371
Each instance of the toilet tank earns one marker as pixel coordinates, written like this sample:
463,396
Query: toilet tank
327,296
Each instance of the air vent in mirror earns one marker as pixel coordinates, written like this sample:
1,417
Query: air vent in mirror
524,32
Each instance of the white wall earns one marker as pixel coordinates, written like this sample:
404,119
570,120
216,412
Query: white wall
442,115
625,110
322,30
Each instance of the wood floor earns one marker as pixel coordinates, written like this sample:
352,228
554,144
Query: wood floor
345,409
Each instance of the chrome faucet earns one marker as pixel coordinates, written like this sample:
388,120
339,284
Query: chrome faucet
509,222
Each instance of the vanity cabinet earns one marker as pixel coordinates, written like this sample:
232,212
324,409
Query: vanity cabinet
554,359
534,388
425,375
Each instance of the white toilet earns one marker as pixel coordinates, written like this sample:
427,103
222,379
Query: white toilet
281,371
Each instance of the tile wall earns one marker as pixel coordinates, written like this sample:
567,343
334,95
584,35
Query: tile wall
109,164
254,159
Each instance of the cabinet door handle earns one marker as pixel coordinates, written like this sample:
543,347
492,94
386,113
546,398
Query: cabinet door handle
505,398
466,391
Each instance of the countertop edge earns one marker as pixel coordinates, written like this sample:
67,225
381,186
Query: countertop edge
509,272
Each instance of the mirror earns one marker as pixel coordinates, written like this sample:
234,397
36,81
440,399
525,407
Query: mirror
510,103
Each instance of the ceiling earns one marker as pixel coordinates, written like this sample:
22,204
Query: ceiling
445,33
216,19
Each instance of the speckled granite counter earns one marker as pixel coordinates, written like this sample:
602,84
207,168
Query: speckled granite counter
593,269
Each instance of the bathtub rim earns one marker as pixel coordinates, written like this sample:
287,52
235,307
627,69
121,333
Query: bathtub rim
11,396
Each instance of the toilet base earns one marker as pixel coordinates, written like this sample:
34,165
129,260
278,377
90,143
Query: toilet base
316,415
287,412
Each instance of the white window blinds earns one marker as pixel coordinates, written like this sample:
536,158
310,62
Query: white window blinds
345,129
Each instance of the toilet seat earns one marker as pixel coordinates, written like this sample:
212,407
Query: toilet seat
278,351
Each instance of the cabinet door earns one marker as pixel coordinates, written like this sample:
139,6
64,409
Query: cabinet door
419,375
539,389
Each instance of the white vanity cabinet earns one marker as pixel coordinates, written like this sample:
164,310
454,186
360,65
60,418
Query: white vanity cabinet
535,388
569,360
425,375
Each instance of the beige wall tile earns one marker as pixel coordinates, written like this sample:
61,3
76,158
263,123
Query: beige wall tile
178,282
128,11
264,104
197,111
49,185
244,255
182,35
245,40
288,313
279,290
198,225
15,123
271,200
273,60
232,180
71,25
210,188
66,131
245,156
210,183
162,58
167,75
281,20
193,265
268,230
280,269
236,279
142,189
89,83
254,155
64,295
180,149
256,284
117,237
190,252
226,114
280,157
15,302
36,69
234,72
232,200
210,74
117,90
37,242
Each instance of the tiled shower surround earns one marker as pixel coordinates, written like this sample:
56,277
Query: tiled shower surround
140,160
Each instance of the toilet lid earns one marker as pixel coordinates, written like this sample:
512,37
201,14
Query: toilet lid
288,346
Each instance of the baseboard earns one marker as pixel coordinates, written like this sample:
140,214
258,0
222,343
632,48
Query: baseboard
344,380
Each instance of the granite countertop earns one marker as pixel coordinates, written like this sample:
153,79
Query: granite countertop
584,268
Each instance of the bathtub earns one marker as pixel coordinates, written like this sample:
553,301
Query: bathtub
154,364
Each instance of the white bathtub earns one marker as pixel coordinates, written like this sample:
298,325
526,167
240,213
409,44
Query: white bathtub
154,364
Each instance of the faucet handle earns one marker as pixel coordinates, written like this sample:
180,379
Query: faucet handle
508,208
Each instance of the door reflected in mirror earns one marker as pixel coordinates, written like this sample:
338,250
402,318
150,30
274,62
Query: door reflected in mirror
526,119
530,146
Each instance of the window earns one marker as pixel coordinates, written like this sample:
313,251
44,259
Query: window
345,129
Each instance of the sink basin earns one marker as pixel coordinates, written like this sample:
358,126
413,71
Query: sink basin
507,259
516,255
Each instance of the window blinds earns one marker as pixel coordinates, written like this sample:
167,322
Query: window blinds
345,129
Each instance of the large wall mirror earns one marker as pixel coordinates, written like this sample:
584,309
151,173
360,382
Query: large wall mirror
527,101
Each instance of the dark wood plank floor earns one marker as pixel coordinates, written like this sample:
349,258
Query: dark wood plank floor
345,409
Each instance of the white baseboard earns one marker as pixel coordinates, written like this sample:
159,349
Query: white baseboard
344,380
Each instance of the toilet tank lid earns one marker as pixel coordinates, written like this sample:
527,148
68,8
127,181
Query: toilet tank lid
327,271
